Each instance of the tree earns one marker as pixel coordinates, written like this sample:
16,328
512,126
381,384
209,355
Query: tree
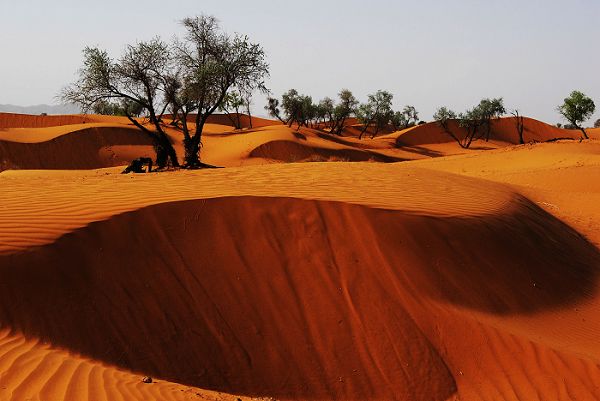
136,80
520,121
211,64
489,109
378,111
343,110
273,108
233,101
292,104
298,109
406,118
114,108
443,116
326,109
247,99
576,109
597,123
478,121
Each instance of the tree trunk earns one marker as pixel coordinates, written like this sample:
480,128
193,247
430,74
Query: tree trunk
364,130
340,126
192,151
162,145
521,124
585,135
447,131
249,115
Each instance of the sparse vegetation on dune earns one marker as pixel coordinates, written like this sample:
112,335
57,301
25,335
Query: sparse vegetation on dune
340,249
202,71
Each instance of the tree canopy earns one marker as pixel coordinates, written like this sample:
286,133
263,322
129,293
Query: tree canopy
577,109
193,74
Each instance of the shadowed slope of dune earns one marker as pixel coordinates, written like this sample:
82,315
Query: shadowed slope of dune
86,148
290,151
296,299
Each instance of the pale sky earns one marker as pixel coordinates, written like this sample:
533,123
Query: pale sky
428,53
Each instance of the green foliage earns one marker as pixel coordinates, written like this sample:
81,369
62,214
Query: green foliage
406,118
345,108
476,121
273,108
576,109
233,101
123,108
443,115
377,111
298,108
196,73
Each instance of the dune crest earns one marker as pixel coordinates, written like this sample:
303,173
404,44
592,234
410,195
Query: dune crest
326,311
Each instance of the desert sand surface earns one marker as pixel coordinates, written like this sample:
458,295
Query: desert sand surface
312,267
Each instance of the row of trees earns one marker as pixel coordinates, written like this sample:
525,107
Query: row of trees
206,69
477,121
190,77
377,113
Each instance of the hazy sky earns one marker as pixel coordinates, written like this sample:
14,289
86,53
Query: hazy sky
427,53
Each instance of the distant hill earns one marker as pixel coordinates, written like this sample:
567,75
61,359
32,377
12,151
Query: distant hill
41,108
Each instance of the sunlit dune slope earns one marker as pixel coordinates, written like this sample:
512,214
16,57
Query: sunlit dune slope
559,177
13,120
97,145
106,141
401,283
39,206
32,370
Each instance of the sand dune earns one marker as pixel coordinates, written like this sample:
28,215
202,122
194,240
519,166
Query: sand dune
503,130
13,120
221,300
98,145
83,148
465,275
309,315
106,141
32,370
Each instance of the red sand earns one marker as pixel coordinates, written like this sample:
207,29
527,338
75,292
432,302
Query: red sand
463,277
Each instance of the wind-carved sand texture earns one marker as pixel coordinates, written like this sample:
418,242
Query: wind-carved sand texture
464,275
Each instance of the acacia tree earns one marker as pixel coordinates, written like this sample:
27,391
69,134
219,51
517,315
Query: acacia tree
298,109
343,111
577,109
292,104
233,101
520,121
408,117
378,111
211,64
490,109
135,81
443,116
273,107
326,109
247,100
478,121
